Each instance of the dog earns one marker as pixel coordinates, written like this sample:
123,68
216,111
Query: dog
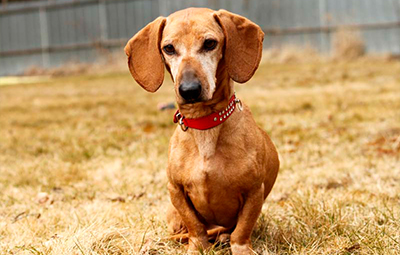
221,165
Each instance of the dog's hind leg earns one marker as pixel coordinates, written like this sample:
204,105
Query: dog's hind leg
179,232
220,234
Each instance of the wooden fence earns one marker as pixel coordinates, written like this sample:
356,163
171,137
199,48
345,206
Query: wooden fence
50,33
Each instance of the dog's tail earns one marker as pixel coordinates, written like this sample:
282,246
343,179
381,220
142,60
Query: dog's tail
213,234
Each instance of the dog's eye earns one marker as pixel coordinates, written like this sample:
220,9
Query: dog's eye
169,49
209,44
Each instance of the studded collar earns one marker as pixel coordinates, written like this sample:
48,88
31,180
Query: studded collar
209,121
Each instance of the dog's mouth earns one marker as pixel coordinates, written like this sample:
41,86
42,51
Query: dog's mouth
192,101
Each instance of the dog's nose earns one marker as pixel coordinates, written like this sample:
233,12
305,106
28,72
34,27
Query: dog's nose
190,91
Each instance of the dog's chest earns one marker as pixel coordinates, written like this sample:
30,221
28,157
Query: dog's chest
198,182
205,186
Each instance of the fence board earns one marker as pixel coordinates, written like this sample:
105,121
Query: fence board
4,38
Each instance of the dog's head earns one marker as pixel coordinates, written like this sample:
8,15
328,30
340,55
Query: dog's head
191,44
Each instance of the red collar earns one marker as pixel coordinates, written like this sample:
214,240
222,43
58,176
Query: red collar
209,121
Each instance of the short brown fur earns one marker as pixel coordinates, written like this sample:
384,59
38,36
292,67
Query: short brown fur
220,177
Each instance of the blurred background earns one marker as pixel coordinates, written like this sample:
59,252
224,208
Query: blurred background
36,35
83,149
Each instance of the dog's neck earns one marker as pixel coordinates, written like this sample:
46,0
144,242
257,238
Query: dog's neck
206,140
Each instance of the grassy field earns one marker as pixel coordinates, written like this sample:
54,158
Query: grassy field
83,158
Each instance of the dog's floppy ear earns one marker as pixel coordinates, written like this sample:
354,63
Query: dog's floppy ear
243,45
144,57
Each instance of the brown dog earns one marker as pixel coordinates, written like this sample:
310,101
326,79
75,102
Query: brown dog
218,177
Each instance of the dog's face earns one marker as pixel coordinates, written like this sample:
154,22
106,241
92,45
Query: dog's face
190,44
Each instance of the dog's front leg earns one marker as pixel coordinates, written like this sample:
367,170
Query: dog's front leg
198,239
241,236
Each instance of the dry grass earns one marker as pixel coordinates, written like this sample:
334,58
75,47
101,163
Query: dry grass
292,54
347,44
82,162
107,62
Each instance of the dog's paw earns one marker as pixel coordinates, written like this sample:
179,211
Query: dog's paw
198,244
243,249
224,238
